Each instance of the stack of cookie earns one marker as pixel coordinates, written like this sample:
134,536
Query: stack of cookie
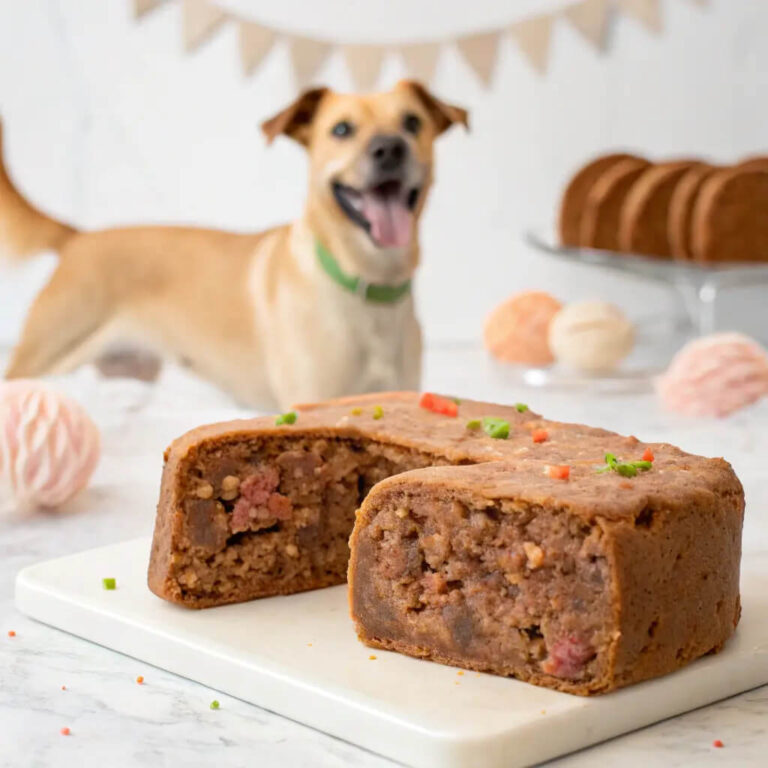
687,210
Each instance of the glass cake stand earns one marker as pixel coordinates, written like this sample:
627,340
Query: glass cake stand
658,337
697,284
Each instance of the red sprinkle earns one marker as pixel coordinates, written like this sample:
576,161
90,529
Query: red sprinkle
437,404
559,471
11,633
648,455
716,743
140,679
65,732
539,435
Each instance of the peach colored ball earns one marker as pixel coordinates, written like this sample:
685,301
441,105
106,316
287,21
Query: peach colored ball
715,376
516,331
49,446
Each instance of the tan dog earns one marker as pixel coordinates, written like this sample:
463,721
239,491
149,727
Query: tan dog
311,310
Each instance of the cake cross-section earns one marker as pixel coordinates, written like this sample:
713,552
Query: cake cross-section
484,536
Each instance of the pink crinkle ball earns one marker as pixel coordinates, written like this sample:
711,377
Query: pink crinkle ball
715,376
49,446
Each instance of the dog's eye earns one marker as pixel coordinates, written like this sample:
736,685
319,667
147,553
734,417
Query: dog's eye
343,129
412,123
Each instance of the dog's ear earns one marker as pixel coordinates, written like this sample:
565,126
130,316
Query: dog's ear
296,119
443,115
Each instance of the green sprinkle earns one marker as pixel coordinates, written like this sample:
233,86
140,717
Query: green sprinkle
474,424
378,411
521,407
356,411
456,400
625,468
109,583
214,704
286,418
497,428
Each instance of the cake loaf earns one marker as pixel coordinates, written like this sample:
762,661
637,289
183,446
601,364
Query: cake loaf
565,555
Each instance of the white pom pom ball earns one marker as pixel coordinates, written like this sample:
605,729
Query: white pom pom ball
49,446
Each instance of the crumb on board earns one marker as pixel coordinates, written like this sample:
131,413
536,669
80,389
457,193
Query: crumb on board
460,672
372,658
309,645
63,687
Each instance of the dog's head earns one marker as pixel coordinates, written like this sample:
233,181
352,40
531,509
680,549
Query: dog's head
370,158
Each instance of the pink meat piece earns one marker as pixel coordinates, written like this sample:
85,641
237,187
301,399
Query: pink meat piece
259,503
567,657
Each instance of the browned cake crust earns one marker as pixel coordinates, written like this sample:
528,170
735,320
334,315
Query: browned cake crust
645,213
584,585
602,209
575,196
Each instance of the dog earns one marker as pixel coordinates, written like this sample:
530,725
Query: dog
307,311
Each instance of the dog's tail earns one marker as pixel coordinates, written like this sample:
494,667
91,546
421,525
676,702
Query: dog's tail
25,230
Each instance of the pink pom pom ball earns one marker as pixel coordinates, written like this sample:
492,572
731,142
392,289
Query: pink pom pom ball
49,446
715,376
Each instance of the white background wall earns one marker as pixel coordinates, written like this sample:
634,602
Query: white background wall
107,122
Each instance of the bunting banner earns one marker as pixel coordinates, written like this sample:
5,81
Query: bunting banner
591,20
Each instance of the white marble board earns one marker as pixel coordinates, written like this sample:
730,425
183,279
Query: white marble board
299,657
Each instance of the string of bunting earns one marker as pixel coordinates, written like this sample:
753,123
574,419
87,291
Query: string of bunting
202,19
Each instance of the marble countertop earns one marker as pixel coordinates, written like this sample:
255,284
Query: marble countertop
167,720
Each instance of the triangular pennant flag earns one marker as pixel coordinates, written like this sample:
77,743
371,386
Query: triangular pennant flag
255,43
307,56
364,64
420,60
200,19
647,12
532,37
480,52
590,17
143,7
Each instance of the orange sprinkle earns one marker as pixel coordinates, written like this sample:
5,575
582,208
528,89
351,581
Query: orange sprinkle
11,633
309,645
559,471
65,731
539,435
63,687
716,743
372,657
140,679
648,455
460,672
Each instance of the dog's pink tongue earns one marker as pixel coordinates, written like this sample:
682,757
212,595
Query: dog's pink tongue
390,220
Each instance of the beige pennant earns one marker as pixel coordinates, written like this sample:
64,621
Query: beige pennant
480,52
364,64
143,7
255,43
307,57
647,12
532,37
200,19
590,17
420,60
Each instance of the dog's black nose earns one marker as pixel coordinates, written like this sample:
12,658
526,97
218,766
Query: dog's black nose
388,152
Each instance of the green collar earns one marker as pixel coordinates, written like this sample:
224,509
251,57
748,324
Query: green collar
381,294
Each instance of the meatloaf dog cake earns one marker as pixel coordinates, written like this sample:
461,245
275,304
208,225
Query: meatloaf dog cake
560,554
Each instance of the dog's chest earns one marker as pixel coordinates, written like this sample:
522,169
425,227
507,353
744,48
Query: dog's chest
375,335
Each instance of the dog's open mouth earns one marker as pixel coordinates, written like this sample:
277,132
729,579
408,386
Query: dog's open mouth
385,211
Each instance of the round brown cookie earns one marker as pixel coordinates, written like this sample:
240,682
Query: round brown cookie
681,208
575,196
729,218
757,162
643,225
602,209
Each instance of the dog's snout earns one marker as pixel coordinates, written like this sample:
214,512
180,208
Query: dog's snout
388,152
